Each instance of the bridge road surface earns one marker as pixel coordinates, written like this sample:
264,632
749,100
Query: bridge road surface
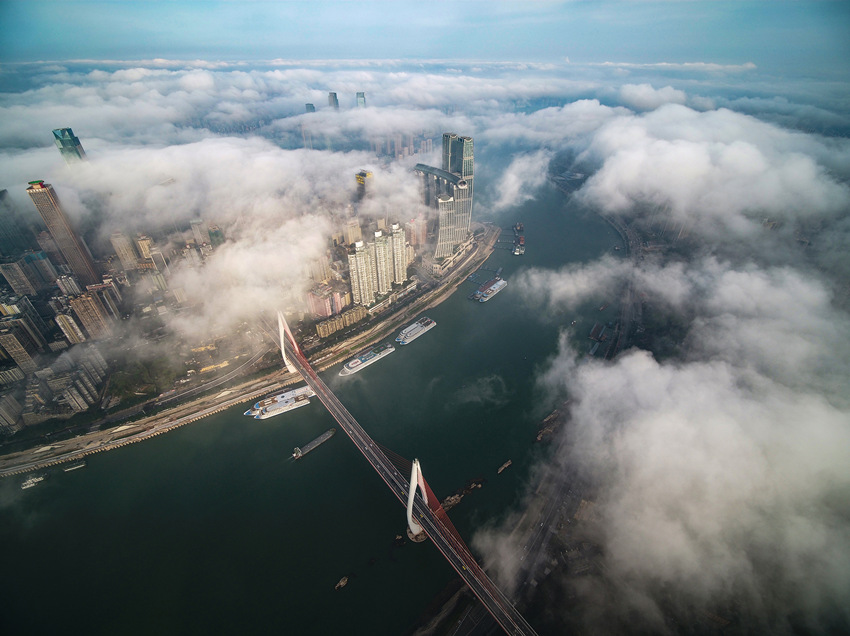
450,545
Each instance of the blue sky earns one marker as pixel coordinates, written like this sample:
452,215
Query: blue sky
801,36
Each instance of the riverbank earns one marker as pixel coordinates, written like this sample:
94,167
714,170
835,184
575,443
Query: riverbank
79,447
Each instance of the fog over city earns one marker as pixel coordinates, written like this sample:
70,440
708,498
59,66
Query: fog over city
723,467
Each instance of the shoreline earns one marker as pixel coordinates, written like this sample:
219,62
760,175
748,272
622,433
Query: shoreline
77,448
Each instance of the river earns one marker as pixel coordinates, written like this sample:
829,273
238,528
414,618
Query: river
213,528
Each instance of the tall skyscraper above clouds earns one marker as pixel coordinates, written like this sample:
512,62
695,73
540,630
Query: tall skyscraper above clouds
69,146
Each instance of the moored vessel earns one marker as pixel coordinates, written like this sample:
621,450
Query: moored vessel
362,361
412,332
492,290
75,466
32,481
281,403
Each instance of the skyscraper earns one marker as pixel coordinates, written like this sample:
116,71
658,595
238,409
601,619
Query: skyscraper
17,343
361,100
383,263
70,245
69,146
29,274
361,178
450,191
310,108
333,102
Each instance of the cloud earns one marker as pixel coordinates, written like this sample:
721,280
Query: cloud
526,173
645,97
489,390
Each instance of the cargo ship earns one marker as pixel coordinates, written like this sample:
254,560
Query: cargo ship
412,332
299,452
281,403
32,481
492,289
361,362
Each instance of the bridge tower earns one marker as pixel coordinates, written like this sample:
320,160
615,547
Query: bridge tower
284,332
414,530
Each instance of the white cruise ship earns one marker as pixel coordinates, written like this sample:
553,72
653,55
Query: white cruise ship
412,332
281,403
492,290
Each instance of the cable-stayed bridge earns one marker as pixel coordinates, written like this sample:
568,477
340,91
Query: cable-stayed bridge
424,509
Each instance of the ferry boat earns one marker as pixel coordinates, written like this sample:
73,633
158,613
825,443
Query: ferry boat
281,403
412,332
362,361
492,290
32,481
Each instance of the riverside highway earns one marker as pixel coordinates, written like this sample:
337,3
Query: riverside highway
452,547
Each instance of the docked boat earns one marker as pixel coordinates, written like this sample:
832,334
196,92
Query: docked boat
412,332
32,481
492,290
75,466
281,403
362,361
503,466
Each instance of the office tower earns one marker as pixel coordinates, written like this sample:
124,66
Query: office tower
310,108
123,247
17,343
399,250
383,263
29,274
333,102
352,231
70,245
92,315
458,158
361,178
361,100
361,267
200,232
69,146
70,328
13,237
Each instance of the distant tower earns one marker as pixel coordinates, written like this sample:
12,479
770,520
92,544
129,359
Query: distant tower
12,239
69,146
72,247
352,231
123,247
310,108
361,100
361,177
333,102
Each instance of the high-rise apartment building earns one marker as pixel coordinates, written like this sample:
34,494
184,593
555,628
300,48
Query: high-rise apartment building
361,100
399,250
383,263
352,231
143,245
19,345
361,267
125,251
70,328
333,102
72,247
92,315
29,274
69,146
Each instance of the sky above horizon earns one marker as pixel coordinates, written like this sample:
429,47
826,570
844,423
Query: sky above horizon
776,36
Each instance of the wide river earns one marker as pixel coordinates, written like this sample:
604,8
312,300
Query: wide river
213,529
